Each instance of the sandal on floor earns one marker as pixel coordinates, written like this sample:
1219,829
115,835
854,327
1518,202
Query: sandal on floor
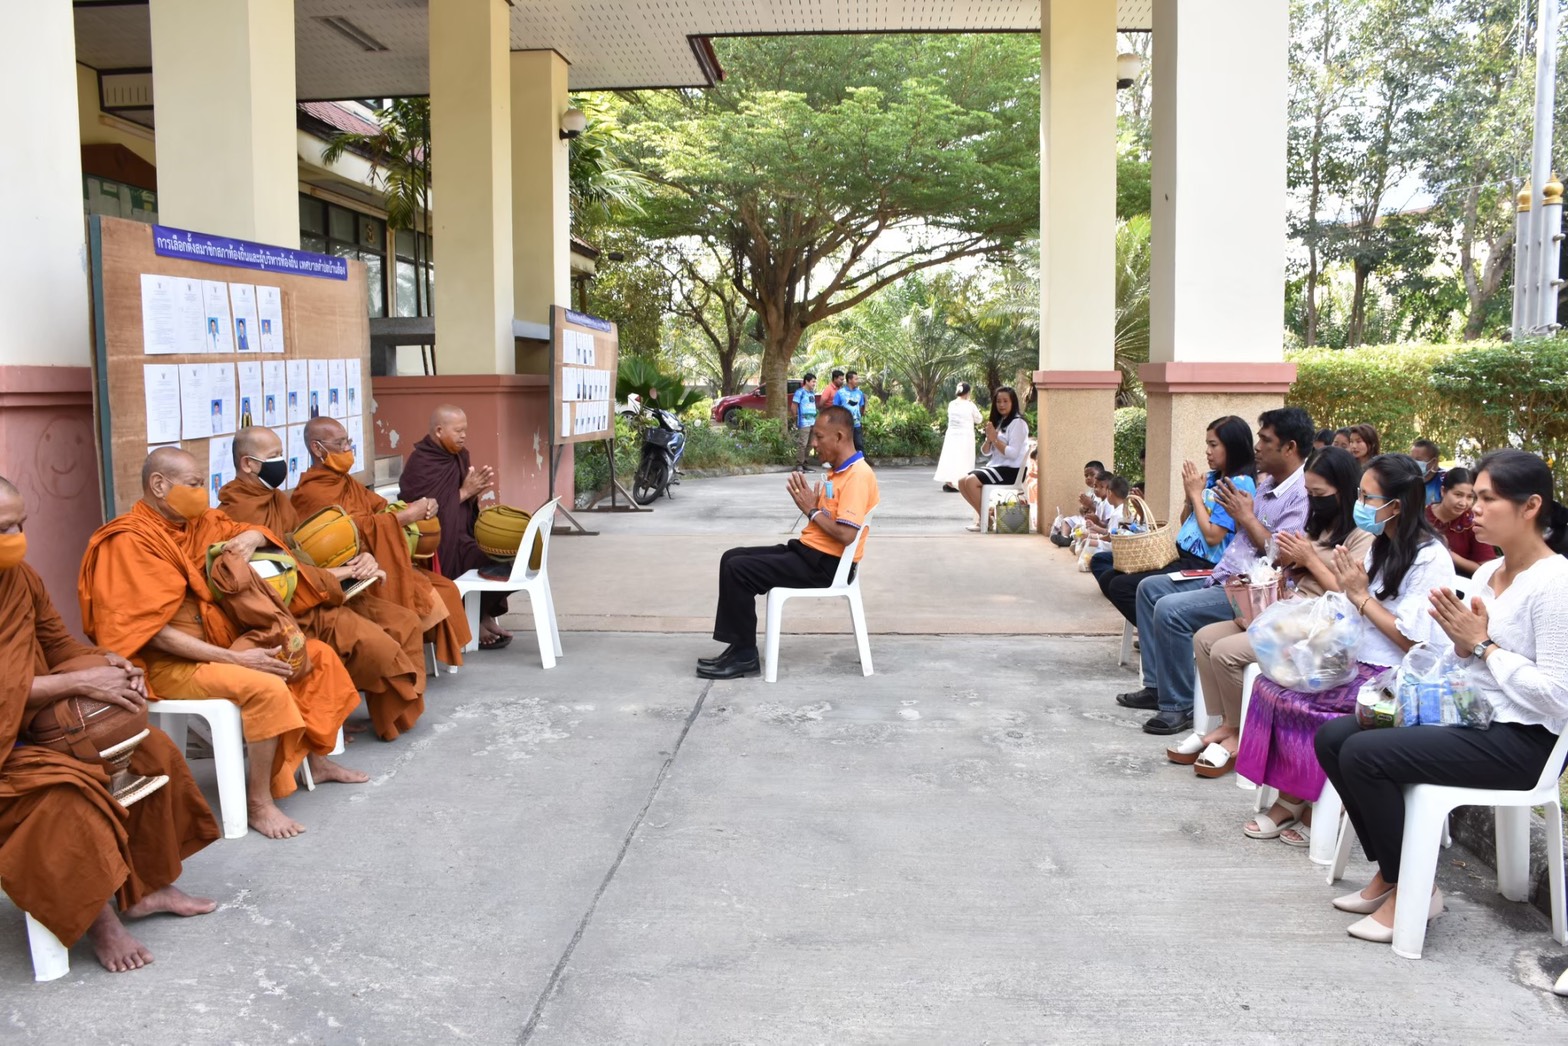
1267,829
1303,835
495,643
1214,761
1186,753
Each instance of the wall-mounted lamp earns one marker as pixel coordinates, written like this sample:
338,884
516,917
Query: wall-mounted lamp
573,123
1128,68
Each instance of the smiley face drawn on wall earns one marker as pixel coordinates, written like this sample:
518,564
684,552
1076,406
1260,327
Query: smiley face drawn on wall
63,458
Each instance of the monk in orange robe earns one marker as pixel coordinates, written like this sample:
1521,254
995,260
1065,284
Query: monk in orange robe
327,482
68,850
380,642
144,595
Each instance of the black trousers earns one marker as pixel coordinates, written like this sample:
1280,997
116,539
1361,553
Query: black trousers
860,440
746,573
1122,589
1367,768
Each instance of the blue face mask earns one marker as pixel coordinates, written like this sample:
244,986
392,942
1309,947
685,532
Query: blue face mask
1366,519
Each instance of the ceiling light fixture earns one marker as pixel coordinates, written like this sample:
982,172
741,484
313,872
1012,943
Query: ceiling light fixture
573,123
348,30
1129,67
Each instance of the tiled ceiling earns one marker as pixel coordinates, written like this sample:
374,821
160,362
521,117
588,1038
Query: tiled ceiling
609,43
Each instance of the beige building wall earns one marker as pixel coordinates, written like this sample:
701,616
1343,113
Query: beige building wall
541,215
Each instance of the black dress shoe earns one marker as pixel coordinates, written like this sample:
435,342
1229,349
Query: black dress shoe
710,662
1148,698
1168,723
733,669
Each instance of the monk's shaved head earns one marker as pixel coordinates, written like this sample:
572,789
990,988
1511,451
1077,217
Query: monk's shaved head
8,489
449,428
446,414
172,464
13,510
256,441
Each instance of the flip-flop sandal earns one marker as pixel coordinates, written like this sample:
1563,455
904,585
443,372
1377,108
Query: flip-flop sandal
1267,829
495,643
1214,761
1303,835
1186,753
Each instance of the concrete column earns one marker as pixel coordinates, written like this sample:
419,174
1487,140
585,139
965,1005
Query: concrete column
1217,292
223,87
541,216
46,434
471,154
1078,378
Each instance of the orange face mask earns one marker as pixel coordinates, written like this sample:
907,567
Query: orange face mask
189,502
340,461
13,549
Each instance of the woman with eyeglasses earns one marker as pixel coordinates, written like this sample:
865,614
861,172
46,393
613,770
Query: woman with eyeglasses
1388,589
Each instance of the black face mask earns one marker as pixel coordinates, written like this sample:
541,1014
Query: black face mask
1323,510
273,471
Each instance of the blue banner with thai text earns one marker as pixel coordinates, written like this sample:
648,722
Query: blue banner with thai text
221,250
582,319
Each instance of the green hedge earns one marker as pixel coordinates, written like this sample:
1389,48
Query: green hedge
1132,433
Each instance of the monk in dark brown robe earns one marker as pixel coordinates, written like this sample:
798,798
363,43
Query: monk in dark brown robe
439,468
145,594
329,481
68,851
380,642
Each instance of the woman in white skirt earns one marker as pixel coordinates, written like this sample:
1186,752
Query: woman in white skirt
958,446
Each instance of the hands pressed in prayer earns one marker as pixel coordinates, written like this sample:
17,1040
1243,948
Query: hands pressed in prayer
804,492
1466,624
477,481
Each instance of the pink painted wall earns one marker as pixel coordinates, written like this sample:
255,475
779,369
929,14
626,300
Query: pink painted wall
508,427
49,450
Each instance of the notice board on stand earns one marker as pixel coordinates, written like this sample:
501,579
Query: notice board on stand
195,335
584,363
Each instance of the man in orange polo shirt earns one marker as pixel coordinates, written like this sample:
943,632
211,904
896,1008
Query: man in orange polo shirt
835,509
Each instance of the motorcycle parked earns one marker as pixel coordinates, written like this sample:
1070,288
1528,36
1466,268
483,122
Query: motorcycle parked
663,446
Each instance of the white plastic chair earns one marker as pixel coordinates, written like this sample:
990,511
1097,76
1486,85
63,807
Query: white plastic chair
534,582
51,959
1328,820
994,491
1128,632
228,751
844,586
1426,809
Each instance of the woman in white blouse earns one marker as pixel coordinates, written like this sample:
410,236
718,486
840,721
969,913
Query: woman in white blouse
1006,443
1514,633
958,446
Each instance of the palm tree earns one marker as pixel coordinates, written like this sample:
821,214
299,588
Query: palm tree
1132,306
601,185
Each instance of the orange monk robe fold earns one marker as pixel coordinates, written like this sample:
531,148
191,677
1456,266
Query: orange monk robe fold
66,846
380,642
431,596
142,572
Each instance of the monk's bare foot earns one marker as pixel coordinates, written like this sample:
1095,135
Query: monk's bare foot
173,900
271,822
492,627
116,949
324,769
356,727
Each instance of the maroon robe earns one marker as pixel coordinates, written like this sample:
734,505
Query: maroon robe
432,471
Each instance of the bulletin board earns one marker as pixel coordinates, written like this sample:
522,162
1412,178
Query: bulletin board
193,330
584,362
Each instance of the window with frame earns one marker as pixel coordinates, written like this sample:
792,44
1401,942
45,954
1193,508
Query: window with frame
327,228
415,279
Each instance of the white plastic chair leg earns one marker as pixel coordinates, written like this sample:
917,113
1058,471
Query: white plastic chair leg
228,757
51,959
174,726
1417,872
1263,798
770,644
1555,872
857,614
1326,814
304,775
539,603
549,604
1202,720
1336,871
471,606
1513,851
1127,634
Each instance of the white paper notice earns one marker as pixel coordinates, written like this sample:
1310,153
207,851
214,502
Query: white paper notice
318,388
160,315
192,314
577,348
356,433
219,331
224,414
337,377
250,412
247,331
298,407
354,388
274,393
294,448
566,420
195,401
162,385
269,313
220,466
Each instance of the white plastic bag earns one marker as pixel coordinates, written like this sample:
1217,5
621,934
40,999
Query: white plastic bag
1308,645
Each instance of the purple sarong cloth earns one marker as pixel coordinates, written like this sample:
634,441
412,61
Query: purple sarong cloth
1276,738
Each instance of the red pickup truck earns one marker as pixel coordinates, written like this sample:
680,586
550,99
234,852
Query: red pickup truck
728,409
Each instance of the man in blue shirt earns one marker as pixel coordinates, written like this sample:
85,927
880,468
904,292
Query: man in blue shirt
853,399
1427,454
805,416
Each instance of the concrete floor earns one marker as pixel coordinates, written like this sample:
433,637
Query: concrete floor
974,845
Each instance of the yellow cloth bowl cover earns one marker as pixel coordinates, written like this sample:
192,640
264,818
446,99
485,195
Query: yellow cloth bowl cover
328,538
276,567
411,530
499,532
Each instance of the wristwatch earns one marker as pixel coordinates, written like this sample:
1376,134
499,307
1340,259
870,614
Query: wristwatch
1480,649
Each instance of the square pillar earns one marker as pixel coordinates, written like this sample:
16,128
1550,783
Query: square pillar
541,212
223,83
1217,290
1077,382
471,157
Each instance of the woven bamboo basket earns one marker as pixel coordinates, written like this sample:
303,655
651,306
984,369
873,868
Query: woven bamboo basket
1154,549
